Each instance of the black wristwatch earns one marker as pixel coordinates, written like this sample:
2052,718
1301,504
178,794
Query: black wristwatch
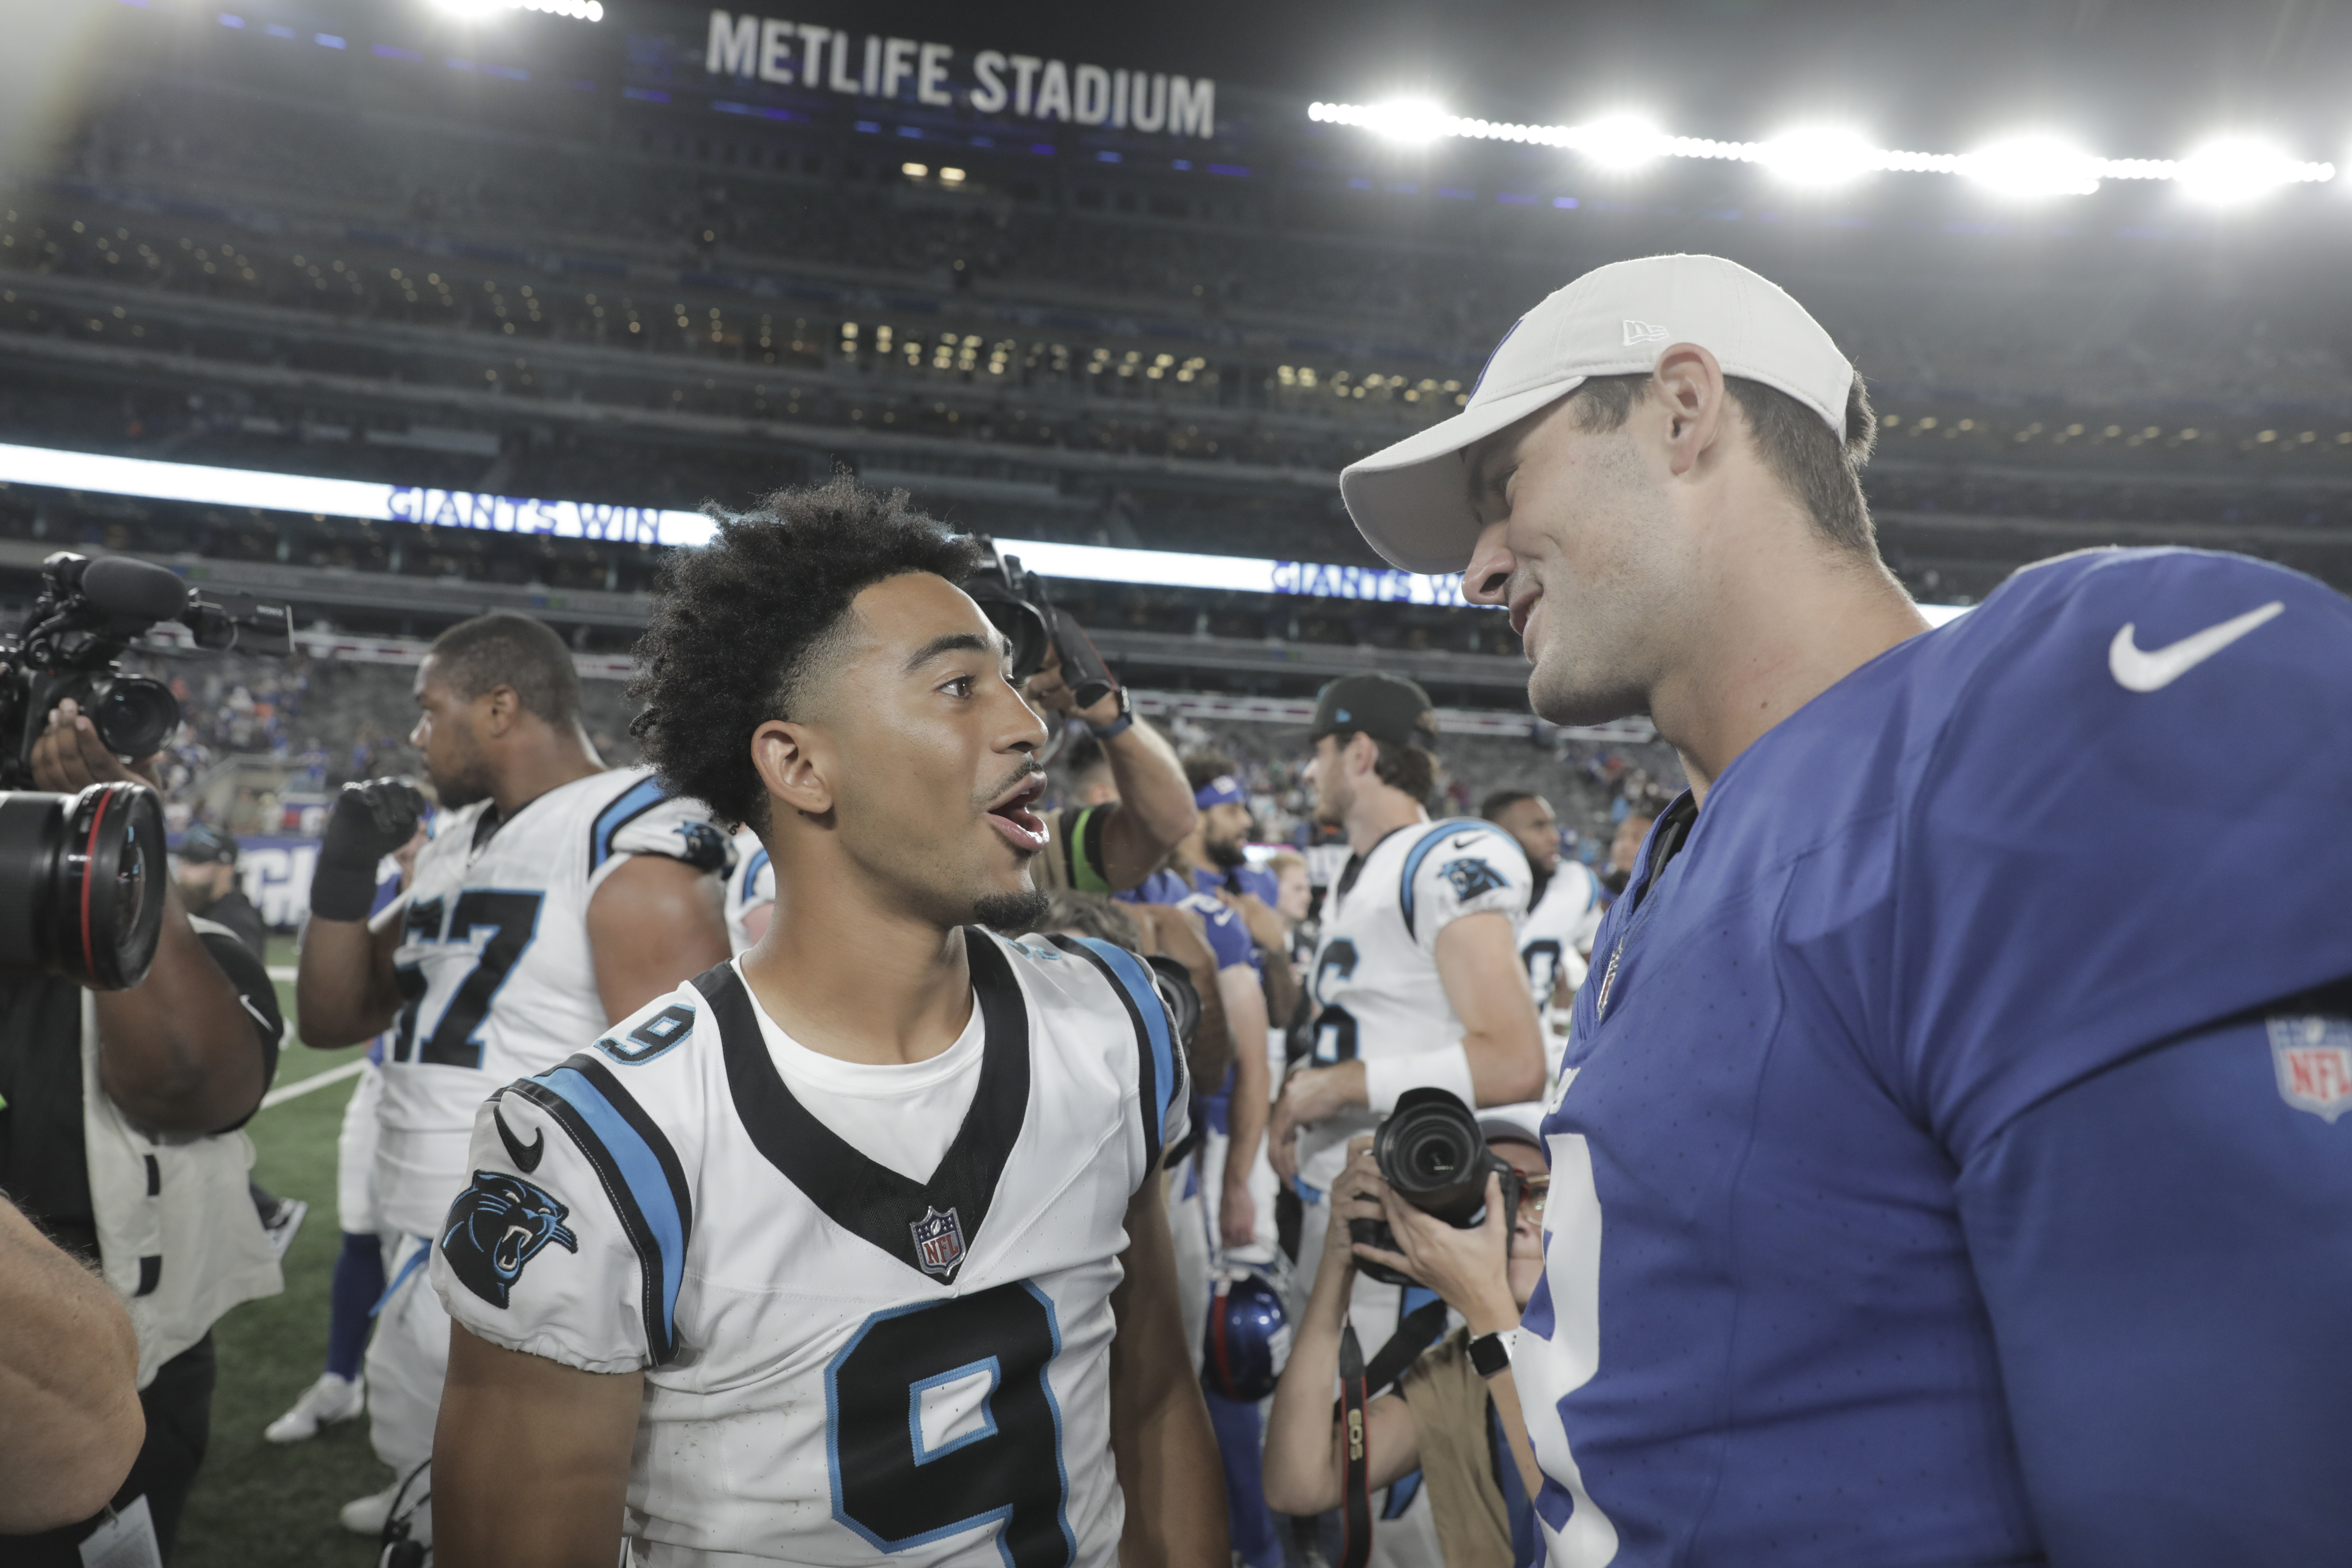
1491,1353
1120,725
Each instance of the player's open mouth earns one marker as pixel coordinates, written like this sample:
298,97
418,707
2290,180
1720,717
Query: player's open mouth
1022,827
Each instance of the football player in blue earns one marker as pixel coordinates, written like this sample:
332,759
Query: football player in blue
852,1250
1948,1159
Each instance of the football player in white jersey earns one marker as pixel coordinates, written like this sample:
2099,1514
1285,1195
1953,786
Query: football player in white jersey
751,892
555,895
1556,939
1416,983
854,1248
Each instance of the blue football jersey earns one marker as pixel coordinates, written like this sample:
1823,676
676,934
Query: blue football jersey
1946,1157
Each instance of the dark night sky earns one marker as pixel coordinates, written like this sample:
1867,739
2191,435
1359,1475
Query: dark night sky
2125,78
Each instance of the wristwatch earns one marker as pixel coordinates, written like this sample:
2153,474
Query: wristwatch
1120,725
1491,1353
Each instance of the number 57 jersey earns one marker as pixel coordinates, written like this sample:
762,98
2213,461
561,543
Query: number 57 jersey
841,1363
497,975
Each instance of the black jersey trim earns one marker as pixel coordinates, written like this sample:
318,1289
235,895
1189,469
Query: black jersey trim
1160,1061
656,1217
621,810
869,1200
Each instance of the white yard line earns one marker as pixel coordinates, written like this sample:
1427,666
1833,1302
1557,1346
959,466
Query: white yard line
316,1081
282,972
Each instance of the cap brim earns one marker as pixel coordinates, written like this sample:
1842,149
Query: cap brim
1412,501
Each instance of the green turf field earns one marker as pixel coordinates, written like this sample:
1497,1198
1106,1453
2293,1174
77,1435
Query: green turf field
258,1505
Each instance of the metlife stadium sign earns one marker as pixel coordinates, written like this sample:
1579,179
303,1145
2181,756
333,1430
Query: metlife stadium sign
941,75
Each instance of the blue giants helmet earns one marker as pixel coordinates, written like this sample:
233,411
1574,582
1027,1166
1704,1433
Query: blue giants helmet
1248,1340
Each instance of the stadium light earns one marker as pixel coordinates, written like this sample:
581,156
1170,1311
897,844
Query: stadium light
1620,141
2032,165
482,10
2223,171
1820,156
2232,169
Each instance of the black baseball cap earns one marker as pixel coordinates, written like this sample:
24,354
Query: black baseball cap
1385,707
206,845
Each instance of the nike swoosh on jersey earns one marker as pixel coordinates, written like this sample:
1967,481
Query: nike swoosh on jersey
2154,669
1465,842
525,1156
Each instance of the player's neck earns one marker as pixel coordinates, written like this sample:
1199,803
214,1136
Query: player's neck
1378,811
1193,855
861,982
535,763
1767,649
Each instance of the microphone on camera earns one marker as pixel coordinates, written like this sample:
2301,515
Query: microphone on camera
139,590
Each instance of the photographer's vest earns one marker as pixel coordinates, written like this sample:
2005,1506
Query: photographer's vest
178,1238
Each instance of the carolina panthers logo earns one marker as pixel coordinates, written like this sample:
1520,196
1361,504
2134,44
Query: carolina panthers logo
706,846
496,1226
1471,877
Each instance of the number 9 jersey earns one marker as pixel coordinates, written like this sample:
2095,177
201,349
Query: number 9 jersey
497,977
841,1363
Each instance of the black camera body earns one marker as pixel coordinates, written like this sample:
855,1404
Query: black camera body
1433,1155
82,876
87,615
1017,602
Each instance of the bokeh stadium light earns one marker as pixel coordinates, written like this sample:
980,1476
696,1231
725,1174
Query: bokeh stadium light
477,10
2225,171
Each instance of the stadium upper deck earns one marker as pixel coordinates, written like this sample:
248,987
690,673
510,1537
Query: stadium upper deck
601,270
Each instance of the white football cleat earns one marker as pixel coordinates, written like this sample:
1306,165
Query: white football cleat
324,1402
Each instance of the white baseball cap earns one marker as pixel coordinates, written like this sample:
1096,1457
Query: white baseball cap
1411,501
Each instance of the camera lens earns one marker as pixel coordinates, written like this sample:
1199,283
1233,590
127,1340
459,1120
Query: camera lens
133,715
81,883
1431,1151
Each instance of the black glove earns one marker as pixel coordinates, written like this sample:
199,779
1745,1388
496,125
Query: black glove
369,821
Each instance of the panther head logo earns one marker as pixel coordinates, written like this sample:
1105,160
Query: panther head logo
1471,877
497,1226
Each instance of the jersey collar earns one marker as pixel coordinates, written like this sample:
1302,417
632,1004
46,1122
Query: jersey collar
867,1199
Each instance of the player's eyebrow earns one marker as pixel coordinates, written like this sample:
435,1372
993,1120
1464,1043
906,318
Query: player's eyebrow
954,642
1478,470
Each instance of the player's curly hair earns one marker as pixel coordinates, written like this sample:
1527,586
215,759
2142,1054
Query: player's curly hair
738,627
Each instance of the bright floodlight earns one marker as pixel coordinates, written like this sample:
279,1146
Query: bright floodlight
2236,169
2032,166
1620,141
478,10
1820,156
1410,119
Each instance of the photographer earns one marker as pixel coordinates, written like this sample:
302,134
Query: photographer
112,1139
1455,1412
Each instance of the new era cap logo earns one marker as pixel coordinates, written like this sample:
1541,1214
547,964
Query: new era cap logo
1643,333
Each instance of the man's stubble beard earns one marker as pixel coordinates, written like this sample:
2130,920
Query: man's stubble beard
1595,664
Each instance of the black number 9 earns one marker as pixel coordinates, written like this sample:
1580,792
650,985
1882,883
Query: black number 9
896,1493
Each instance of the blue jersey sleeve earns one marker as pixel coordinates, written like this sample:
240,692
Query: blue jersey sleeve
2131,823
2161,1249
1227,937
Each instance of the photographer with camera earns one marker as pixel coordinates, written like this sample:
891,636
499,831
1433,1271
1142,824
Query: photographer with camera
118,1135
1454,1414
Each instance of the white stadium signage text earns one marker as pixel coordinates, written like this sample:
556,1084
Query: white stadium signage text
1027,86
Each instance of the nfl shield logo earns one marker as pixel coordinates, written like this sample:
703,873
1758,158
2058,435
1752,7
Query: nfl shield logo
939,1241
2314,1058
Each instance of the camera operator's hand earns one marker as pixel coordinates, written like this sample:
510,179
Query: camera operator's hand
69,757
1048,691
1355,1194
1309,1094
369,821
1468,1267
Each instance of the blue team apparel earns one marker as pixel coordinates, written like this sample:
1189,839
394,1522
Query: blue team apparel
1948,1166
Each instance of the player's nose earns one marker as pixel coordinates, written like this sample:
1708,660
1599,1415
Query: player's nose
1487,580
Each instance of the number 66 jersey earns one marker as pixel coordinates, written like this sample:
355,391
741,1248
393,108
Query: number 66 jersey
841,1363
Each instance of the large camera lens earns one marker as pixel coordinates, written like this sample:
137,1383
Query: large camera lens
81,883
133,715
1022,624
1432,1155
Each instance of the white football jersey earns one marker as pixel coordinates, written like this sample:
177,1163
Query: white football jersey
496,973
752,884
1375,984
1558,932
842,1364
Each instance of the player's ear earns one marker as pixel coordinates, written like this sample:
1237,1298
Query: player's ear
500,711
1688,386
794,776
